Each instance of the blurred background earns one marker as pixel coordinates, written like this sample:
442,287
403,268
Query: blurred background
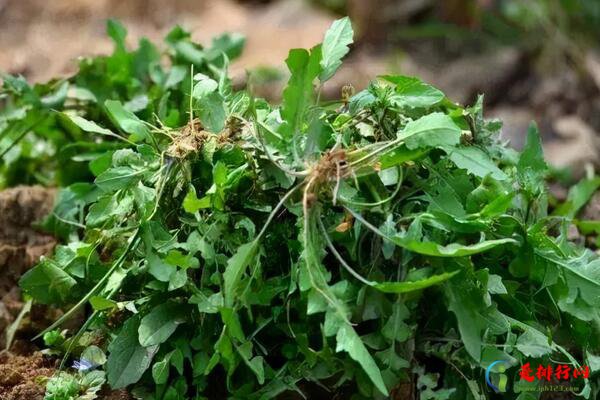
533,59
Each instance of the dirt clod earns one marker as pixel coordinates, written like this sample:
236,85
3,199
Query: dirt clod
23,377
21,245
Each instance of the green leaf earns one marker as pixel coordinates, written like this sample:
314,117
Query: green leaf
159,268
450,250
475,161
297,96
430,131
412,92
90,126
581,275
236,266
347,340
579,195
100,303
47,283
117,178
157,326
209,104
531,168
400,155
127,359
335,46
434,249
192,204
254,363
94,354
533,344
127,121
464,301
405,287
160,370
231,44
117,33
178,279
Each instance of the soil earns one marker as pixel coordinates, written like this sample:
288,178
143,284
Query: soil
21,246
24,377
23,370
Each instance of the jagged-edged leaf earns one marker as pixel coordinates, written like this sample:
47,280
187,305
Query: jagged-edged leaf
335,46
531,167
348,340
475,161
304,67
236,266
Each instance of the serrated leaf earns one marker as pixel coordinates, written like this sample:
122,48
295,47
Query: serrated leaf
348,340
335,46
531,167
304,68
236,266
475,161
435,249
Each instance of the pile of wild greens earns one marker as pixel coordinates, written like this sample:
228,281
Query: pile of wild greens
387,244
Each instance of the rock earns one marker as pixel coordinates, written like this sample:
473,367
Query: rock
592,66
576,147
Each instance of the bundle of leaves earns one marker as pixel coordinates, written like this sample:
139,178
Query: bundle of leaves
386,244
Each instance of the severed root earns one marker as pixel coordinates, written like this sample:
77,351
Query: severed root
192,137
332,167
190,140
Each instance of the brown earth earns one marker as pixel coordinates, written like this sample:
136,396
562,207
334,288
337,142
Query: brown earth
24,377
21,246
23,371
